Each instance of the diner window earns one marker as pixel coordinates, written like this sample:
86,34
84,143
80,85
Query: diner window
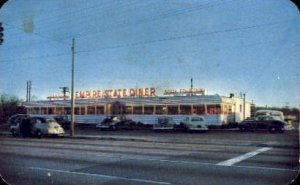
128,109
199,109
225,109
67,110
160,109
44,110
172,109
59,110
185,109
30,110
82,110
229,109
137,110
214,109
77,110
91,110
35,110
50,110
148,109
100,110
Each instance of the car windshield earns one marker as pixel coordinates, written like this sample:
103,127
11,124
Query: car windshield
197,119
50,120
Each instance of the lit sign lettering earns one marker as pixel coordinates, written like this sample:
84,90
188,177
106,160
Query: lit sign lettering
116,93
57,97
184,91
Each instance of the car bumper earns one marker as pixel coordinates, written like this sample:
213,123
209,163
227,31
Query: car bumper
163,128
56,132
104,126
198,128
288,127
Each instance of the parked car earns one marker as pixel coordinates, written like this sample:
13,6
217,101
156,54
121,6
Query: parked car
116,123
14,123
63,121
263,123
164,123
26,125
46,126
194,123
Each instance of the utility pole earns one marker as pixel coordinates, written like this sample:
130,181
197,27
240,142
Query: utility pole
1,34
28,93
72,90
29,96
244,106
191,86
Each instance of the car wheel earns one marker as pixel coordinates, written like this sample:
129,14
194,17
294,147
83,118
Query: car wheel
13,133
243,129
39,134
273,129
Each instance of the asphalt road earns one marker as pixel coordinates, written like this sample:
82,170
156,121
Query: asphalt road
144,157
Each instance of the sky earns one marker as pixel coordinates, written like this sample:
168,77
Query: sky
230,46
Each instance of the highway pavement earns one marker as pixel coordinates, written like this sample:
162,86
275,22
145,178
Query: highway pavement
145,157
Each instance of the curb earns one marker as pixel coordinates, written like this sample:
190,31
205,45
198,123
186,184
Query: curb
141,139
109,138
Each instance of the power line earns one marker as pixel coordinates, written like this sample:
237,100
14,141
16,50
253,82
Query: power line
36,57
37,34
163,15
94,6
62,20
255,81
56,23
156,41
186,36
65,54
121,24
49,40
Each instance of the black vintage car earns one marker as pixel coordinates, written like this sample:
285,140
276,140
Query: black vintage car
116,123
263,123
63,121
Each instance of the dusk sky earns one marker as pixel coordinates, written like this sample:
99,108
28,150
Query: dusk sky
232,46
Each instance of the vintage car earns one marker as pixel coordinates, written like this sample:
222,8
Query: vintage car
263,123
27,125
14,123
63,121
116,123
194,123
165,123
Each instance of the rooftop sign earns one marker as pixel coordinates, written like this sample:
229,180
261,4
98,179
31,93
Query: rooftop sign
184,91
123,93
57,97
116,93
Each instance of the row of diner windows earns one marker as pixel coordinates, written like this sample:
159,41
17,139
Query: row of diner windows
155,109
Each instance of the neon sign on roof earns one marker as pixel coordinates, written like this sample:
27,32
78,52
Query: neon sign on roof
116,93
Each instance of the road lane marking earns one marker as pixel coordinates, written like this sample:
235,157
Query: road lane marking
266,168
100,175
201,163
240,158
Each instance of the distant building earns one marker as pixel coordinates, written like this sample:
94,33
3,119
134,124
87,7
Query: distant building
142,105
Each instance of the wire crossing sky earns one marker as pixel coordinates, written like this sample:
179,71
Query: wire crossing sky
230,46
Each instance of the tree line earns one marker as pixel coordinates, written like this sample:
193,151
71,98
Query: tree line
9,105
